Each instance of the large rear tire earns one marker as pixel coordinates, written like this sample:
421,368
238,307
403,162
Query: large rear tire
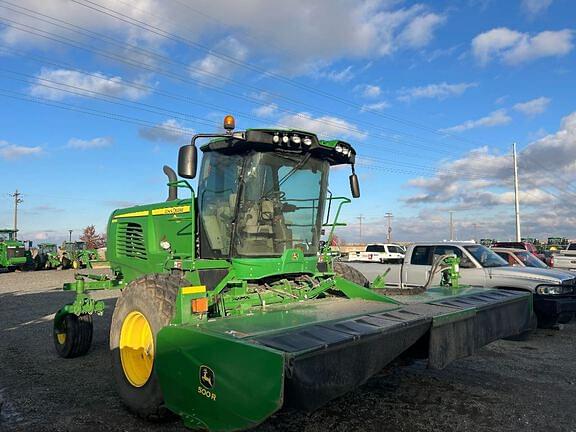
350,273
145,307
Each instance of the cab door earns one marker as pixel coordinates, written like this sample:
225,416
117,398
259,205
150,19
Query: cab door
415,273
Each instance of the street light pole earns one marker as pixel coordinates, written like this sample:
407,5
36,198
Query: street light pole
389,234
360,221
516,195
70,232
451,225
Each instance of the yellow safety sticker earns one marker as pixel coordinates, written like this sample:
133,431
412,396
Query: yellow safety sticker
132,214
171,210
193,289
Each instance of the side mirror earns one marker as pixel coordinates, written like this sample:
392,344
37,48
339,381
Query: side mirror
354,186
187,161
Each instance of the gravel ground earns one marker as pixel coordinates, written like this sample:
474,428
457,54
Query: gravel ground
507,386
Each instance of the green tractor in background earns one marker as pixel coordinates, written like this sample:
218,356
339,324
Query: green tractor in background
13,252
226,315
556,243
75,255
47,257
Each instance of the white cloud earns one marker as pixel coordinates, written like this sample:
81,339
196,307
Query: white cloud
513,47
533,107
213,67
13,151
535,7
369,90
267,110
420,31
295,33
81,144
378,106
56,84
434,91
325,126
170,130
341,76
481,181
495,118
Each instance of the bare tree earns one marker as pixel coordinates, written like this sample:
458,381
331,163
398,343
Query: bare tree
92,239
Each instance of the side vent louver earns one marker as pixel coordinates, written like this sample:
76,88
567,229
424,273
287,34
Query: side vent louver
130,240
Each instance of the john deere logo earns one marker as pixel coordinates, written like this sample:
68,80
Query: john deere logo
294,256
207,378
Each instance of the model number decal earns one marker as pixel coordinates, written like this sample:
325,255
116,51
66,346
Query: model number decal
206,393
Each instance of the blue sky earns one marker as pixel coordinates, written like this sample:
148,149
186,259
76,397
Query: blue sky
431,94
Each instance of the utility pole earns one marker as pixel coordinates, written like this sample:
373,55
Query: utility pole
451,225
389,235
70,232
516,196
17,200
360,220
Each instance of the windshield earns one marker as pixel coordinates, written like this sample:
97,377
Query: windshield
6,236
485,256
281,204
276,206
47,248
530,260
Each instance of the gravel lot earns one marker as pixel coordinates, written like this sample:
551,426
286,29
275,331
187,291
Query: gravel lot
507,386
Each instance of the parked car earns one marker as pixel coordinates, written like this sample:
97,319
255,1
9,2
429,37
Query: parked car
517,245
520,258
554,291
380,253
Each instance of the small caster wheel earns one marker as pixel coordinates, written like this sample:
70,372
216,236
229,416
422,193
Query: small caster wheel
73,335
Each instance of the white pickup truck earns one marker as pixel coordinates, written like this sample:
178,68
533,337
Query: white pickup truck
565,259
554,290
379,253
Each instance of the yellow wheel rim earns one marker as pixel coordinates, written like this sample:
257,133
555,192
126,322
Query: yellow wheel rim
61,338
136,348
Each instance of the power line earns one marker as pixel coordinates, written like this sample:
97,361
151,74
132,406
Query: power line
176,38
143,25
187,80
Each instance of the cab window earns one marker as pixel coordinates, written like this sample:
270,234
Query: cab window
421,255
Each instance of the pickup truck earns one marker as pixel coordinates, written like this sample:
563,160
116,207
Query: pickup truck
565,259
379,253
554,291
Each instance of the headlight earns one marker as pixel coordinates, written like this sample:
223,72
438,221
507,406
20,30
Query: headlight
339,148
554,290
285,139
296,139
307,141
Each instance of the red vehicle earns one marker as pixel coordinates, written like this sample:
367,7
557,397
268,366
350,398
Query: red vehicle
518,245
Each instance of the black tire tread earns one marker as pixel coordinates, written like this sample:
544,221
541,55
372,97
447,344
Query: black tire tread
161,291
79,332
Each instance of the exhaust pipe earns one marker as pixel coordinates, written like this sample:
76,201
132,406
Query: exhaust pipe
172,190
